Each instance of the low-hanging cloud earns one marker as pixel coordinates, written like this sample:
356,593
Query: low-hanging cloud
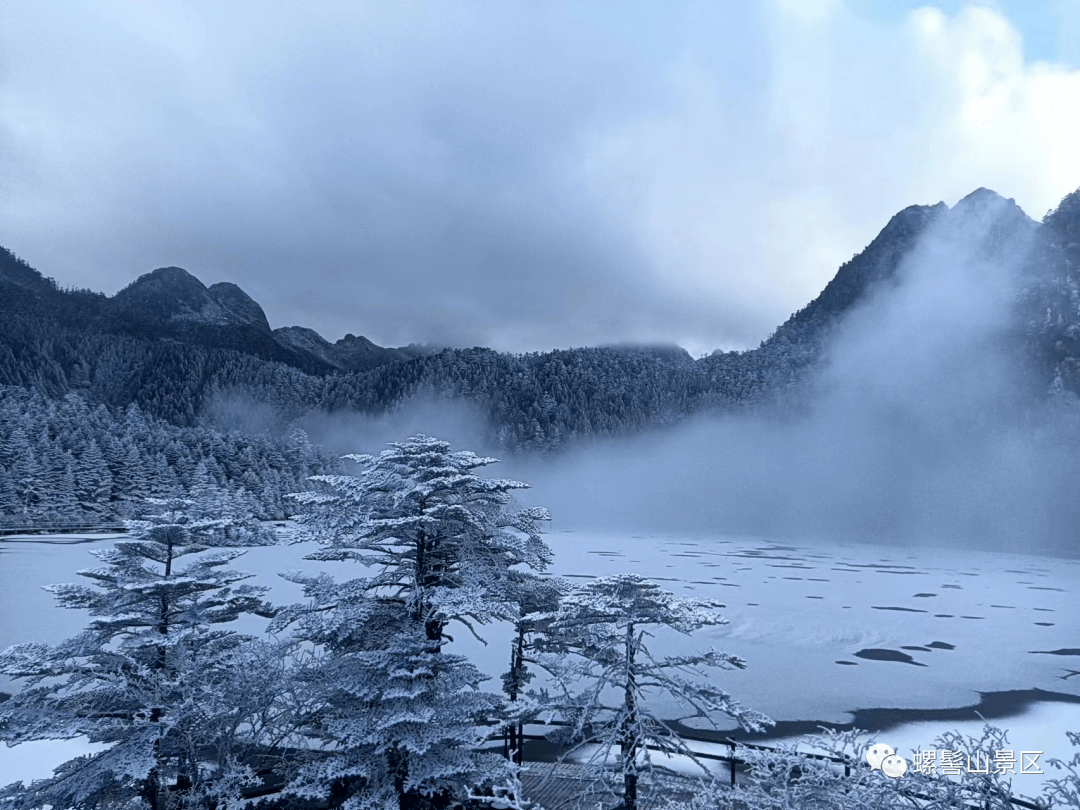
923,425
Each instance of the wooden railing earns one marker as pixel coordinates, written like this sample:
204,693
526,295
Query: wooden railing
734,762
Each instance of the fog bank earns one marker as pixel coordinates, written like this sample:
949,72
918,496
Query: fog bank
922,426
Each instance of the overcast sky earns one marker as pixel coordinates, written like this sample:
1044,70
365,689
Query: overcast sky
518,175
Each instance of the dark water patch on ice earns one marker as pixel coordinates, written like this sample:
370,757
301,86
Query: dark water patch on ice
815,597
1045,610
915,573
846,570
579,576
791,565
750,555
1045,588
666,579
1064,651
685,554
847,663
817,579
1008,607
904,609
876,654
955,587
607,553
924,595
991,706
878,565
800,579
701,582
972,617
943,616
1045,624
916,648
753,604
941,645
965,574
1010,571
729,584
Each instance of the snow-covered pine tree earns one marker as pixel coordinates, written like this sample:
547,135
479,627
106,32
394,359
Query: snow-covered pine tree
438,543
146,674
537,599
597,637
93,483
230,515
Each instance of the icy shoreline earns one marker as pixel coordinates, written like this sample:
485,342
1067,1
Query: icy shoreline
956,633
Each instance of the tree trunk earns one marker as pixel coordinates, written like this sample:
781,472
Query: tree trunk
517,670
398,764
152,789
630,743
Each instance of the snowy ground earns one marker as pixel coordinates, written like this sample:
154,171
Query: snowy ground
900,642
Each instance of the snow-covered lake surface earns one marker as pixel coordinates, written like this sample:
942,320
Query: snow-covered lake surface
905,642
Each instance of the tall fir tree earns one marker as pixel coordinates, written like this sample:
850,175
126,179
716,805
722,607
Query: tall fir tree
438,543
144,674
597,644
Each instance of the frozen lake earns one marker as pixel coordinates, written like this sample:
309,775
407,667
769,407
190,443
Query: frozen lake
908,643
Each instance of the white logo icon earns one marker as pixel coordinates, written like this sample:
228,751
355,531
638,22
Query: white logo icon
876,753
882,757
894,767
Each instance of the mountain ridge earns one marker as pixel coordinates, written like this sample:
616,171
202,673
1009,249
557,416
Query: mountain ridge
184,351
170,302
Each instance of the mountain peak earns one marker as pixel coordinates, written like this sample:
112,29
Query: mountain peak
164,287
981,193
173,295
984,200
992,224
238,303
171,273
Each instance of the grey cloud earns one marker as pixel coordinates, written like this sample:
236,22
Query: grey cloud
406,173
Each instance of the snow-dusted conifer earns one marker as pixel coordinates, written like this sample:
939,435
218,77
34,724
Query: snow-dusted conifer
537,598
438,543
145,674
598,637
438,535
